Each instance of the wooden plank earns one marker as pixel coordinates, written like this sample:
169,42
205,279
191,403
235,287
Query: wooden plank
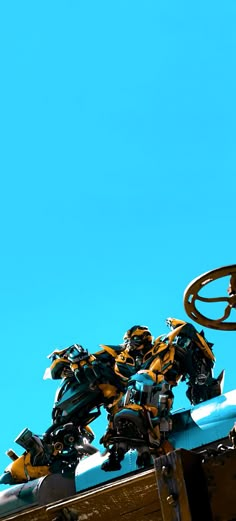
133,498
182,487
220,471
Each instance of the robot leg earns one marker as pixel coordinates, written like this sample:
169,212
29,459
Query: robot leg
142,419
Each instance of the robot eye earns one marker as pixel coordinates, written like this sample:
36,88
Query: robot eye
137,339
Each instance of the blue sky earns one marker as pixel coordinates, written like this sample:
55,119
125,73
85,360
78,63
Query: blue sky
117,179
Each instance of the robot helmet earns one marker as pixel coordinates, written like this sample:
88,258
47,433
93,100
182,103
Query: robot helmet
137,337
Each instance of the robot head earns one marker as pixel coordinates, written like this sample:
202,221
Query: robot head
138,338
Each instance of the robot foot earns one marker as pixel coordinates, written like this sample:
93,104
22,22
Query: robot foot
115,457
144,458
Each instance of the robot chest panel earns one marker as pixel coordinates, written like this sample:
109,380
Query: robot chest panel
126,370
128,366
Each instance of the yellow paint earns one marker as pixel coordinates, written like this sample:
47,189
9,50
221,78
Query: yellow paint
22,470
108,390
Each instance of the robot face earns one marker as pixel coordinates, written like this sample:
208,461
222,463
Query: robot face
137,337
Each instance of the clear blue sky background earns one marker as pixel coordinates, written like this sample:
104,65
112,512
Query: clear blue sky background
118,162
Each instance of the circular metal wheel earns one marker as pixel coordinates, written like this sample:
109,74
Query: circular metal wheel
191,295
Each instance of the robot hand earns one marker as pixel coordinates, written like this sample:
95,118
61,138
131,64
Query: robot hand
76,353
65,362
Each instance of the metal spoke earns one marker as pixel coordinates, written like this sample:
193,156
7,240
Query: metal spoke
191,294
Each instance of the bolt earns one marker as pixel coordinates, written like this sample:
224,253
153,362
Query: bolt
166,471
171,499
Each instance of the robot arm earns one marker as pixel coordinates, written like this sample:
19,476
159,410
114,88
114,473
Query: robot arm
69,362
195,360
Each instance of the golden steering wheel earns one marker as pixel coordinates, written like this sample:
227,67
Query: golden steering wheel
191,295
